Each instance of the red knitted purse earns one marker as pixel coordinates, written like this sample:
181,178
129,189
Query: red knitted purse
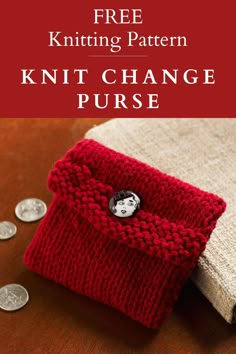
137,264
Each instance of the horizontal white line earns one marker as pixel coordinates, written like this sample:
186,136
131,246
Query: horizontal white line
118,56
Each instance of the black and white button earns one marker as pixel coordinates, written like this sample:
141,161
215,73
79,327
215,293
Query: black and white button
124,204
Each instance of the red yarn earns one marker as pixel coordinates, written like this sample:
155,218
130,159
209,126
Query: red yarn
137,265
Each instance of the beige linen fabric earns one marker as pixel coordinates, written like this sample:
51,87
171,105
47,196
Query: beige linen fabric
201,152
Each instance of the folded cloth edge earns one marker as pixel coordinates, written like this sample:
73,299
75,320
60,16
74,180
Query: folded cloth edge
213,283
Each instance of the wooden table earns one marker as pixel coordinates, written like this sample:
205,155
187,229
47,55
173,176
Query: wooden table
56,320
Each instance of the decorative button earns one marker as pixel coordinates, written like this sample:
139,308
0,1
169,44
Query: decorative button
124,204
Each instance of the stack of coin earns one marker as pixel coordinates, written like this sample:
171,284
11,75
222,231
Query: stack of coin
14,296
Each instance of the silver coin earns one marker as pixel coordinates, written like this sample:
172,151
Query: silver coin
31,209
13,297
7,230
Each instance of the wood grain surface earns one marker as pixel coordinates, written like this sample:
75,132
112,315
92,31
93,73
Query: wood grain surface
56,320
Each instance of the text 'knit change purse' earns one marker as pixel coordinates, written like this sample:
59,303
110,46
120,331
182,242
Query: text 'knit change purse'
136,264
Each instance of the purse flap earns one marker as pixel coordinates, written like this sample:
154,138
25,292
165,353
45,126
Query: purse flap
174,221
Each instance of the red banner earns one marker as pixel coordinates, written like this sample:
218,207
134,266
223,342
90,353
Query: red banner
118,59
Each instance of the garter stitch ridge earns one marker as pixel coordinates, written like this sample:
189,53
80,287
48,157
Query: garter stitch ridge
137,265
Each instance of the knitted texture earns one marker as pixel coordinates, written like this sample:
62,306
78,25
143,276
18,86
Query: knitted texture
201,152
137,265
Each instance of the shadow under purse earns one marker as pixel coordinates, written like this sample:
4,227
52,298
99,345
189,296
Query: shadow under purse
121,232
